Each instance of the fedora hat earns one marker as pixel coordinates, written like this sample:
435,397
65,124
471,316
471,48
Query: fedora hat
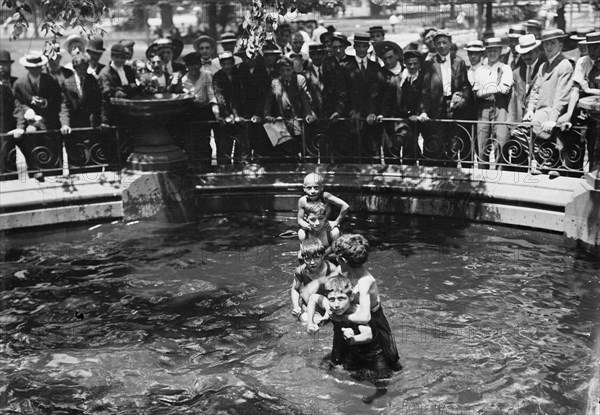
96,44
325,35
202,39
118,49
374,29
592,38
475,46
527,43
516,31
493,42
342,38
228,37
412,54
552,34
175,45
386,45
33,60
362,37
5,56
444,33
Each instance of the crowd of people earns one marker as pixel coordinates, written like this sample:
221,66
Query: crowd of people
312,81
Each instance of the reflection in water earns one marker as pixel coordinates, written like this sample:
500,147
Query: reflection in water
162,319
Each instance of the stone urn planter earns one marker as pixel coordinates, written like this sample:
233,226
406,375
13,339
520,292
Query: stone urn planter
148,119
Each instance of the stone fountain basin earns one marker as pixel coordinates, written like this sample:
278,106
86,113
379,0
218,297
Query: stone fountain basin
158,105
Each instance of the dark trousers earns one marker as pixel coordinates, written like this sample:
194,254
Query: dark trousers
196,138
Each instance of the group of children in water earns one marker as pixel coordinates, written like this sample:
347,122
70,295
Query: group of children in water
333,284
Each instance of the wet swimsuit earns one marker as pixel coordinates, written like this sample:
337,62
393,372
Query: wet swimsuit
302,273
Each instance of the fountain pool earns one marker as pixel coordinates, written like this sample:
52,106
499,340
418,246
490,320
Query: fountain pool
148,318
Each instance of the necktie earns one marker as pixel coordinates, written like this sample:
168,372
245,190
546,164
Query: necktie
362,66
205,63
528,77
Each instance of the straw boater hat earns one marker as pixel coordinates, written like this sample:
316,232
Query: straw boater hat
228,37
493,42
592,38
444,33
175,45
516,31
342,38
527,43
386,45
225,55
74,38
582,33
202,39
552,34
271,49
33,60
362,37
533,24
5,56
475,46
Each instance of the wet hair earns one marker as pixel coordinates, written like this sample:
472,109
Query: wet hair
316,177
338,284
311,248
354,248
315,208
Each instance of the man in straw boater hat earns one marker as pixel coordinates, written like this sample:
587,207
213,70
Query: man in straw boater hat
207,47
587,83
475,51
364,81
524,75
511,58
95,49
446,95
169,50
38,106
579,37
492,87
228,42
551,89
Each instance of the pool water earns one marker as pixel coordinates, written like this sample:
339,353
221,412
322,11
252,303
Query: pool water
148,318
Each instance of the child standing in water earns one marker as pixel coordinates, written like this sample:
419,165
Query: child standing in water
352,252
318,226
358,347
314,268
314,192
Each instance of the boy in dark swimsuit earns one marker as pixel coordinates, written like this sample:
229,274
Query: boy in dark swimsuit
314,268
314,192
352,252
358,347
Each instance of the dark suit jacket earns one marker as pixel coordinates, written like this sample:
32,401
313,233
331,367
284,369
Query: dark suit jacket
298,104
110,82
99,69
7,108
432,98
54,115
392,94
334,87
254,88
363,92
178,67
84,108
514,63
66,73
314,85
227,93
520,93
411,96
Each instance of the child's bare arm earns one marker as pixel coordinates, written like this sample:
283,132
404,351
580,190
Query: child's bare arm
365,335
301,205
313,301
344,207
295,293
363,313
335,233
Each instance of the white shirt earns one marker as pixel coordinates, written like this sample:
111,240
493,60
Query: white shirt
583,67
471,72
78,82
446,68
408,77
396,69
494,79
359,60
121,73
